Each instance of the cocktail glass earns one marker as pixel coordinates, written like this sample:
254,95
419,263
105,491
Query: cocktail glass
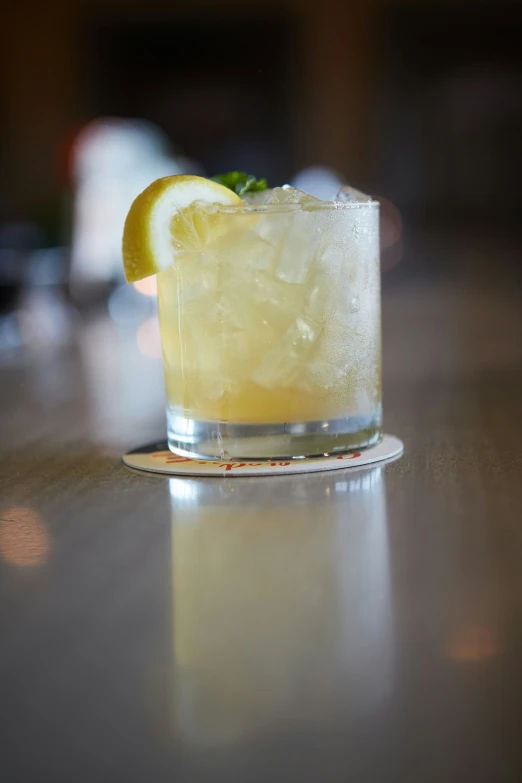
271,334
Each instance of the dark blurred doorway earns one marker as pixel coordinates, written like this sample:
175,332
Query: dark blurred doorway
220,86
450,117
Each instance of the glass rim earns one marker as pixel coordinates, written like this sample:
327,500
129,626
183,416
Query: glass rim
325,206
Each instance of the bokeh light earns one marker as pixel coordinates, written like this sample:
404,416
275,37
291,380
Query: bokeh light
391,228
113,160
473,643
24,539
148,338
148,286
391,222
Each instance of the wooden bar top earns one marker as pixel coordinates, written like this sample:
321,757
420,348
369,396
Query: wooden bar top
354,626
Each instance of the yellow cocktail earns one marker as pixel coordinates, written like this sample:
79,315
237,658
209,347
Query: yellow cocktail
270,327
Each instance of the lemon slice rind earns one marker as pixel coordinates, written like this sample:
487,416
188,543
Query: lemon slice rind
148,244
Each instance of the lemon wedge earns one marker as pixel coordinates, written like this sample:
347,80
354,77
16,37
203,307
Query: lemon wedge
171,215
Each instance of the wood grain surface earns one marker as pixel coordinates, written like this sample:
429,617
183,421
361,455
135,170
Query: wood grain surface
362,626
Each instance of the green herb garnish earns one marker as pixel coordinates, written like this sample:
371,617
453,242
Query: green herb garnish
240,183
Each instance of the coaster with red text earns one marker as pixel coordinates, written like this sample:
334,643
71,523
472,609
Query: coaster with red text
158,459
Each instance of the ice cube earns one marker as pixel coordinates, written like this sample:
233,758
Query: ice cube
246,249
197,275
298,248
290,232
232,311
324,373
275,301
258,196
283,362
347,193
289,195
318,301
272,227
293,233
284,195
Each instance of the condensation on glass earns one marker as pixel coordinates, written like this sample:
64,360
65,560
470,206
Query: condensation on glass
271,336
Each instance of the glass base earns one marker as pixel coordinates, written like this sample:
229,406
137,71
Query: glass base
293,440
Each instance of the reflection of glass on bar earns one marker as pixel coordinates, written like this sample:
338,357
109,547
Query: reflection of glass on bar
271,337
281,610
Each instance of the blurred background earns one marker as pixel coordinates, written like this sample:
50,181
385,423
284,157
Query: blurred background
417,103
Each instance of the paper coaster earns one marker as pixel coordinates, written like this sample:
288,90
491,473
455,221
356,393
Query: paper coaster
158,459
